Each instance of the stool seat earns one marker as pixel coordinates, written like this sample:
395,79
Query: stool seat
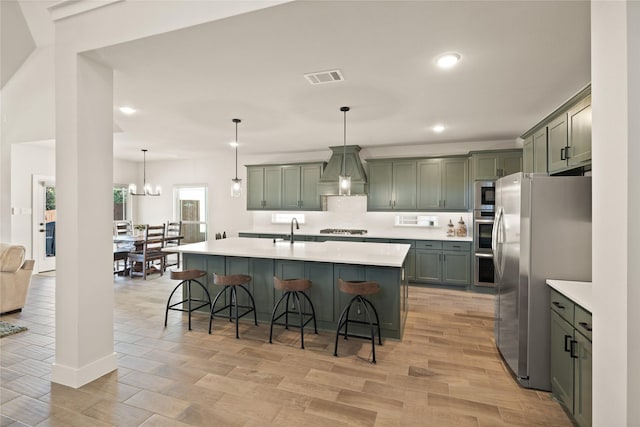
186,274
358,287
231,282
293,289
291,285
187,278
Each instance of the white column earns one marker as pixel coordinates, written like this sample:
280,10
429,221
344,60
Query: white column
615,67
84,181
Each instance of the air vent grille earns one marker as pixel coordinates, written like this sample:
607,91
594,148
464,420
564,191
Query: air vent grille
323,77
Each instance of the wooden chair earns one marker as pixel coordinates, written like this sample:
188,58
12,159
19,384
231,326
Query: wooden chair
174,229
151,251
121,250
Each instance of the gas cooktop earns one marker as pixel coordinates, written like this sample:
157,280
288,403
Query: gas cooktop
342,231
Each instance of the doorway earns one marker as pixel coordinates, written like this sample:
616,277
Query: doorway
44,223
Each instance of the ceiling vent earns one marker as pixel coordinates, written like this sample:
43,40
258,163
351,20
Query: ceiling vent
324,77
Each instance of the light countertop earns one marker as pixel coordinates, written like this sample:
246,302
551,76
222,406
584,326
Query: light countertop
396,233
341,252
578,292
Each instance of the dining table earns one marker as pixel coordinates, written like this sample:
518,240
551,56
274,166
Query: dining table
136,241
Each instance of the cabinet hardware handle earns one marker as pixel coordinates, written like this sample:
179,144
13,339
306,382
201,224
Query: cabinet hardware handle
394,203
391,203
567,344
585,325
562,156
572,353
566,152
557,304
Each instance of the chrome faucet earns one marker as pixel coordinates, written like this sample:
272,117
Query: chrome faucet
297,228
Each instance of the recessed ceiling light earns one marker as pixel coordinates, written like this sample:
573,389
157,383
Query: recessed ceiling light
234,144
448,60
438,128
127,110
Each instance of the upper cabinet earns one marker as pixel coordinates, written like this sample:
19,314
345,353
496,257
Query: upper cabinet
284,187
562,141
491,165
421,184
392,185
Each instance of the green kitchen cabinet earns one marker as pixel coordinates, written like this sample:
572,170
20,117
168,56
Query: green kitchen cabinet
392,185
568,134
284,187
534,152
491,165
571,357
264,187
443,184
410,262
443,263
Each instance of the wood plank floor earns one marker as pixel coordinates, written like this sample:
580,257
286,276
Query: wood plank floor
445,372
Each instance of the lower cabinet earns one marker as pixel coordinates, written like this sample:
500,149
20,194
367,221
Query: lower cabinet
571,357
443,263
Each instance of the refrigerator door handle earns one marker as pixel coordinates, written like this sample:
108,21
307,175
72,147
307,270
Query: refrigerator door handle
497,244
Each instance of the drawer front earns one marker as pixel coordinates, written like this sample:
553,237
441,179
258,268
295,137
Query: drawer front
583,322
456,246
428,244
562,305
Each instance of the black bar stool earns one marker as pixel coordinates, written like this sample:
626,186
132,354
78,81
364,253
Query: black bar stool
293,288
188,277
231,283
359,289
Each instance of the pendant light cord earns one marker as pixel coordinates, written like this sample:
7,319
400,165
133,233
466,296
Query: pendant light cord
144,170
236,121
344,146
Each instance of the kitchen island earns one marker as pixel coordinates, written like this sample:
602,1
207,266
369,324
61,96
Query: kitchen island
321,262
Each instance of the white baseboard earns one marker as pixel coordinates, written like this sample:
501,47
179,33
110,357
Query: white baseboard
77,377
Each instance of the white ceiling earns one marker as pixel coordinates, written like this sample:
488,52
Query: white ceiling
520,60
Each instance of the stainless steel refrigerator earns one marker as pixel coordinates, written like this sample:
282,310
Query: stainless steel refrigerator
542,231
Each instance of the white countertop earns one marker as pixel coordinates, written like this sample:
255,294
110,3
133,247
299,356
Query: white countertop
362,253
578,292
396,233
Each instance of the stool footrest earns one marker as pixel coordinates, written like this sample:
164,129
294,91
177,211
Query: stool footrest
226,307
204,303
309,315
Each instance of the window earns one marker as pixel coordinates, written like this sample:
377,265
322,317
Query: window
191,209
121,211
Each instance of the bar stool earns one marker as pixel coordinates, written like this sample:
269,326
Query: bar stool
188,277
293,288
359,289
231,283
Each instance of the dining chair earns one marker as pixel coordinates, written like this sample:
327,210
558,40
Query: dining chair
174,229
154,237
121,250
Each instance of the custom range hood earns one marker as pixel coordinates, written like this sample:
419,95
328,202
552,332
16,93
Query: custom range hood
328,185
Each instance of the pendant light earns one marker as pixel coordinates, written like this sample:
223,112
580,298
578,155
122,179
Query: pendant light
146,187
344,180
236,183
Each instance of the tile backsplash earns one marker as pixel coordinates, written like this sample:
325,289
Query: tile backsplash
351,212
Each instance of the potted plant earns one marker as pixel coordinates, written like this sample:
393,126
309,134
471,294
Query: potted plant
139,229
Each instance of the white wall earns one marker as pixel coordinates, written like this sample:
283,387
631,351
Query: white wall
615,53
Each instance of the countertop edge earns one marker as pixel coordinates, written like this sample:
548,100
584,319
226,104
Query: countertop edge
370,235
578,292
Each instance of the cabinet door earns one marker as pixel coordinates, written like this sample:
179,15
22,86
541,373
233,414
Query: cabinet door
509,163
561,361
456,268
291,187
380,186
428,264
583,368
485,166
557,143
309,195
273,187
455,184
540,151
410,265
579,127
429,184
255,186
527,155
404,185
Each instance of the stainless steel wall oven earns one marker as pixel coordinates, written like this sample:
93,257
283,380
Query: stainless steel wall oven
483,215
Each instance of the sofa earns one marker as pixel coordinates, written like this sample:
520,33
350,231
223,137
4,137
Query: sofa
15,277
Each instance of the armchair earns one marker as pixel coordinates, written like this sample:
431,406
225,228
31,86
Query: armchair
15,277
